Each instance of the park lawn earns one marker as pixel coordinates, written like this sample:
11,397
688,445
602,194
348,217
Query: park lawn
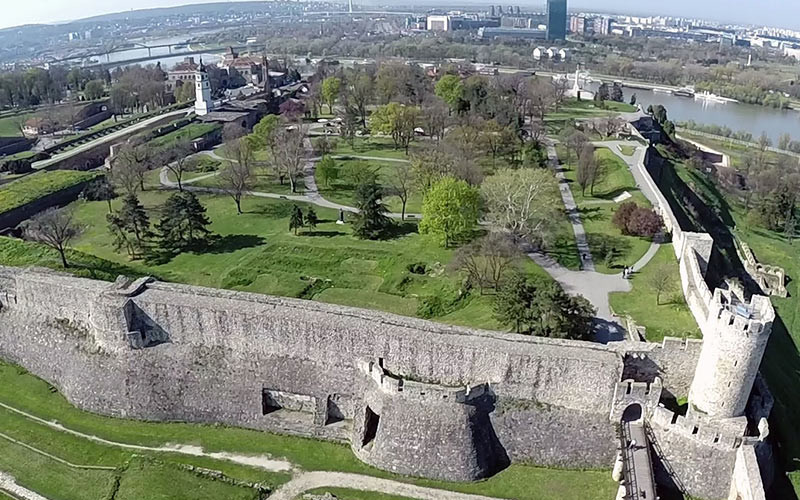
188,133
32,187
33,395
597,212
627,150
377,146
10,125
342,192
255,252
671,316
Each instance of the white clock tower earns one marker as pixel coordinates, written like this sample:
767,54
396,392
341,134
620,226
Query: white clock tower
202,104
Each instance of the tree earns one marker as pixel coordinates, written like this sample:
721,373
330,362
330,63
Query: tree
450,211
487,261
311,218
360,92
587,168
633,99
130,167
603,93
435,118
402,182
185,92
575,142
784,140
327,171
635,220
100,190
296,219
265,134
289,157
616,94
236,179
180,153
55,228
183,222
429,166
371,221
324,145
450,89
133,219
522,202
94,90
330,91
397,121
539,306
661,279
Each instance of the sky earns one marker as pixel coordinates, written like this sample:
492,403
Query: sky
781,13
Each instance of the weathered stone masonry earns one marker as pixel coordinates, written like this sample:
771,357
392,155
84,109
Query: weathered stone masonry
410,396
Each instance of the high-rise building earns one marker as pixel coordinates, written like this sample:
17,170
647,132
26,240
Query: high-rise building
577,24
491,10
556,19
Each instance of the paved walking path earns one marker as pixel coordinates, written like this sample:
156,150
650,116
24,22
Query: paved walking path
9,484
310,195
573,213
594,286
260,461
321,479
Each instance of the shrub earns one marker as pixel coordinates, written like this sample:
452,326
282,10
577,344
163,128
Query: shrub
634,220
417,268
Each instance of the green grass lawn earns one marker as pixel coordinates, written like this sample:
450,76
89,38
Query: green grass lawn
597,212
374,146
670,317
627,150
28,393
34,186
185,134
10,125
342,191
257,253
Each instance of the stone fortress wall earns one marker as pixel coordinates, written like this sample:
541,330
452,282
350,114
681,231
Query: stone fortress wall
735,334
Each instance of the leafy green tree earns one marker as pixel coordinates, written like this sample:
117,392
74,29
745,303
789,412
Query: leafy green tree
94,90
450,89
371,221
327,170
296,219
331,87
450,210
311,218
397,121
264,134
134,219
539,306
183,223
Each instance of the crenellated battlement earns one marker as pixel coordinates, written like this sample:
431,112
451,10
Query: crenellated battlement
394,385
629,392
722,434
733,315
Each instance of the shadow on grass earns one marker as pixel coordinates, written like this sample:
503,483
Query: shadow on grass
591,214
324,234
274,210
231,242
398,230
610,195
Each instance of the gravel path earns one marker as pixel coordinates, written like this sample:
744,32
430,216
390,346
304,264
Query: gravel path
260,461
321,479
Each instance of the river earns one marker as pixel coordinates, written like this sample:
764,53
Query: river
736,116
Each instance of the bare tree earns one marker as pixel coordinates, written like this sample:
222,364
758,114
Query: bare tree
289,157
435,118
402,183
180,164
54,228
133,162
587,168
487,260
236,180
560,86
661,280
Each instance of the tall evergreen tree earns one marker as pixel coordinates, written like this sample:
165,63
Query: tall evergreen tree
183,222
296,220
134,219
371,221
311,218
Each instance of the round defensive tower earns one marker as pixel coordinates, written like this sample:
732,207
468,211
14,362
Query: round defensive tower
425,430
734,341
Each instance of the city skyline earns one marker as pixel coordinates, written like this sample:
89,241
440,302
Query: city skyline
773,13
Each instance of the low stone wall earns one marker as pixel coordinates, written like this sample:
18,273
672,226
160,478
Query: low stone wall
13,218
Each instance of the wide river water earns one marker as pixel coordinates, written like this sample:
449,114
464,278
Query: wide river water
736,116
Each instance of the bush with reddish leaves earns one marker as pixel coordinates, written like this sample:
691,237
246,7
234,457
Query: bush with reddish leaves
634,220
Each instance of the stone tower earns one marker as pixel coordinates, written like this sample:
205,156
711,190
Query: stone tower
734,339
202,104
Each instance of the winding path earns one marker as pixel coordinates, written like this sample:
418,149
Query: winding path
592,285
321,479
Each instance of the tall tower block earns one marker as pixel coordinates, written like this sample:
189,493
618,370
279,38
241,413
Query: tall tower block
203,103
734,341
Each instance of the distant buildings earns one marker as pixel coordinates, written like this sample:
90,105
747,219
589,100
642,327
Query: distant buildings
552,53
556,19
590,25
439,23
512,34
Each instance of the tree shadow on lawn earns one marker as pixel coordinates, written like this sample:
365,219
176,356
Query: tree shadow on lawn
230,243
591,213
397,230
614,193
324,234
273,210
603,244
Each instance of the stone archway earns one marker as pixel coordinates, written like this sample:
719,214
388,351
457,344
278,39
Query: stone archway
632,413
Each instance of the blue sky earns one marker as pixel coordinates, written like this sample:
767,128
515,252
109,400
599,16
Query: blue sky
784,13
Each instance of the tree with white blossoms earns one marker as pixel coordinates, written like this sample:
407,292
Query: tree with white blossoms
523,202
